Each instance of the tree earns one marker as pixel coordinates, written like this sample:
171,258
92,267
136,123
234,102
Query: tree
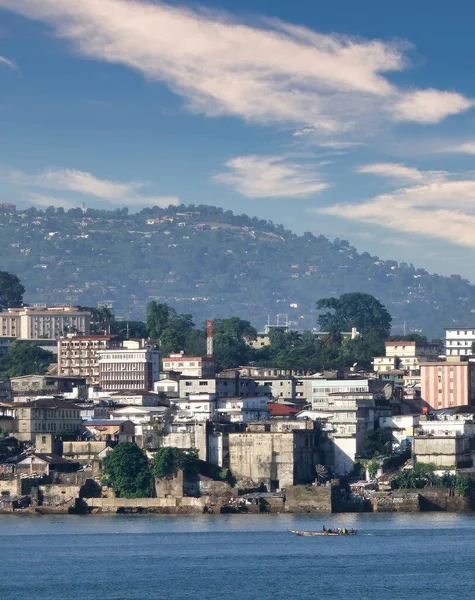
230,347
25,358
170,328
102,319
378,442
11,291
167,461
126,471
362,311
129,329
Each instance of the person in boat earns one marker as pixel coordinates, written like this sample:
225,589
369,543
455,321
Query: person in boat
324,529
344,531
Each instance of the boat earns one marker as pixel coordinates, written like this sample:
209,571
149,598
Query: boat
321,533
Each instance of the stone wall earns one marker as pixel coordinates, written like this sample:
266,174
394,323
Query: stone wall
308,498
152,505
169,487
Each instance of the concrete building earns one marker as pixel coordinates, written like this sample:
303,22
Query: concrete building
403,428
353,415
129,368
33,323
449,422
222,387
448,384
47,415
449,452
405,356
274,455
208,407
77,355
317,390
25,387
189,366
459,340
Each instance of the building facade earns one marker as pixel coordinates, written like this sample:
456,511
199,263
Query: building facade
34,323
276,455
448,384
458,341
406,356
129,368
47,416
189,366
77,355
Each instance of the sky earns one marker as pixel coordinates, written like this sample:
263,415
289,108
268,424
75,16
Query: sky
349,119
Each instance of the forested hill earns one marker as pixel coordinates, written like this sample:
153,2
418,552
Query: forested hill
212,263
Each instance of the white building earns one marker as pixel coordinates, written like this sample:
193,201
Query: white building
189,366
406,356
243,409
129,368
33,323
458,341
317,391
402,426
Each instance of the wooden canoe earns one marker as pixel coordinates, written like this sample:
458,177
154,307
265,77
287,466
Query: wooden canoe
320,533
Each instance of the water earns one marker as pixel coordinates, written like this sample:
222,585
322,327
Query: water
426,556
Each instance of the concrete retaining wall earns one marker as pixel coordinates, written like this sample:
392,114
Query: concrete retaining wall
308,498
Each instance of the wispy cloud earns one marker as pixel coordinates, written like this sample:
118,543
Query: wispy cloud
271,177
401,172
267,71
439,206
8,63
81,182
461,148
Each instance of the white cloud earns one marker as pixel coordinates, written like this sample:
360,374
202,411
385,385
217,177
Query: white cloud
439,208
45,201
401,172
81,182
271,177
8,63
430,106
462,148
265,72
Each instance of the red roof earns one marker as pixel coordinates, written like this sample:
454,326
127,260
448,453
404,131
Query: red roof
281,410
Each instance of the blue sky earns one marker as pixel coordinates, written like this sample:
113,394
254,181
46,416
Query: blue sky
349,119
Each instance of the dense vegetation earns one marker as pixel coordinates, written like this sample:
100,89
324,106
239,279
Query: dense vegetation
126,471
25,358
423,475
213,264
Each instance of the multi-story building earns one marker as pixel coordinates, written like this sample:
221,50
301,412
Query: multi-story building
136,366
317,390
34,323
208,407
353,415
448,384
406,356
77,355
26,386
189,366
223,387
276,454
459,340
47,415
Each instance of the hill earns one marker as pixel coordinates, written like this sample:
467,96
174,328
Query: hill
213,263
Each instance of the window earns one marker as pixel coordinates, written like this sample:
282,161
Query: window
440,391
451,391
43,439
203,383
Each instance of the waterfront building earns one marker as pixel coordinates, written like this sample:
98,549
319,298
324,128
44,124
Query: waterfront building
46,415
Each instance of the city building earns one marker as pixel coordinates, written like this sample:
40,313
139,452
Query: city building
115,430
449,452
222,387
35,323
318,390
353,415
405,356
275,454
136,366
189,366
47,415
448,384
25,387
77,355
403,428
5,389
459,340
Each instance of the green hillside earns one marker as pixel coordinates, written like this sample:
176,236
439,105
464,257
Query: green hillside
212,263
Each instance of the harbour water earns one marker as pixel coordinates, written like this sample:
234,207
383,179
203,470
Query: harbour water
405,556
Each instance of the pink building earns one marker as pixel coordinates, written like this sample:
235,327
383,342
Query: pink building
448,384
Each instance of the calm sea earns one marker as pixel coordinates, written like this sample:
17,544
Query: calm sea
241,557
